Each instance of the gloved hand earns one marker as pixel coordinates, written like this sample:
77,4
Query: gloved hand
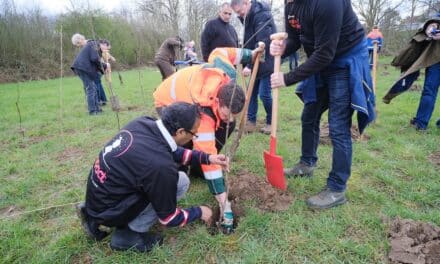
227,222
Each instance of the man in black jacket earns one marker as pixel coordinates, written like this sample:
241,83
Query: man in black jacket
87,65
135,180
258,26
336,77
218,32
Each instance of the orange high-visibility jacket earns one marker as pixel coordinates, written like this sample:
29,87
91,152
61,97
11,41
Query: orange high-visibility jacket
200,84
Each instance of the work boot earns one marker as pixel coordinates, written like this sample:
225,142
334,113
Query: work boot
300,170
266,129
250,127
416,125
125,239
90,226
326,199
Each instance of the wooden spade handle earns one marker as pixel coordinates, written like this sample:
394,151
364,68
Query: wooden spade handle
275,92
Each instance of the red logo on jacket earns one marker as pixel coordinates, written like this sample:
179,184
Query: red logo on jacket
293,22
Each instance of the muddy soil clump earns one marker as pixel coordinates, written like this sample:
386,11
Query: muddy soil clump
246,189
414,242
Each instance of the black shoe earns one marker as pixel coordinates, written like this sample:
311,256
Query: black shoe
438,123
300,170
89,225
125,239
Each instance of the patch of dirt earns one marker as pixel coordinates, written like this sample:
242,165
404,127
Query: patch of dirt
9,211
415,88
84,258
324,135
414,242
70,153
435,158
246,188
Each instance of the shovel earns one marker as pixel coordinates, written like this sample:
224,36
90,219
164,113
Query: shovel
114,100
249,90
273,162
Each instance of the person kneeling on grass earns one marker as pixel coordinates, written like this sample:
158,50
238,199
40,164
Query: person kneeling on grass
135,180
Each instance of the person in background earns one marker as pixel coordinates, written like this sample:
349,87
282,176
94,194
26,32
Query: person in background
190,51
375,36
422,52
166,55
88,65
258,26
218,32
79,41
134,181
334,77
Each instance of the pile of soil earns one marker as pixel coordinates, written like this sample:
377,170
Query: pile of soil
435,158
324,135
414,242
248,189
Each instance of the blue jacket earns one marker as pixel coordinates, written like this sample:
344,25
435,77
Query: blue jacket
259,25
89,60
362,95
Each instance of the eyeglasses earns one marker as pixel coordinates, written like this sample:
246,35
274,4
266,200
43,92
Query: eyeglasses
195,136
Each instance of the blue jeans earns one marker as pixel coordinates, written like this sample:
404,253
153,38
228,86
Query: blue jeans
148,217
262,88
90,90
429,96
293,60
333,93
100,89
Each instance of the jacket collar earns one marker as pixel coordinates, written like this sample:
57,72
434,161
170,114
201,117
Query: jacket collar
170,140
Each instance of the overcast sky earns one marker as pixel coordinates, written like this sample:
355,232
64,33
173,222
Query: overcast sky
61,6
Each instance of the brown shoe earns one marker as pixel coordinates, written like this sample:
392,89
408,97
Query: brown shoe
266,129
250,127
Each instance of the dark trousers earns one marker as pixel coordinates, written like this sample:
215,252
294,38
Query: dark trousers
333,93
262,89
429,95
90,91
100,89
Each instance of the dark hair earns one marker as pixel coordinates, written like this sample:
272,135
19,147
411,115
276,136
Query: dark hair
179,115
104,41
225,98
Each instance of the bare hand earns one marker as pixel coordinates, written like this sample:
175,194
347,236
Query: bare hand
221,160
206,214
277,80
277,47
436,36
246,72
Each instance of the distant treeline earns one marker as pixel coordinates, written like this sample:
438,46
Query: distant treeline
31,44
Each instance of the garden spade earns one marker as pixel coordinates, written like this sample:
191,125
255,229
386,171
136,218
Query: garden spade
249,90
114,100
273,162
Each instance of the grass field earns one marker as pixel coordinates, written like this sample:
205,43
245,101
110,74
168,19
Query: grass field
44,162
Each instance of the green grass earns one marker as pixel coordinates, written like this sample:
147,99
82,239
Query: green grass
46,162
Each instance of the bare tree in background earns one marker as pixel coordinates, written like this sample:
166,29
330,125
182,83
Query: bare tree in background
165,11
198,12
373,11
